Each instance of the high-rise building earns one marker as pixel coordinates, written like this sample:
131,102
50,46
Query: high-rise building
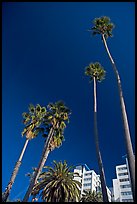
121,185
89,179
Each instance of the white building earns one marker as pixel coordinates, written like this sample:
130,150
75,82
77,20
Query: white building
121,185
89,179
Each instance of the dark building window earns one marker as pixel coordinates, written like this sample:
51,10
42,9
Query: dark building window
124,179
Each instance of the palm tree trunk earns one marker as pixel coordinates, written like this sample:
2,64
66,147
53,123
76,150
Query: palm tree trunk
100,163
14,174
130,154
43,159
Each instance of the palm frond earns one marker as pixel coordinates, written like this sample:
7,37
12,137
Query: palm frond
57,184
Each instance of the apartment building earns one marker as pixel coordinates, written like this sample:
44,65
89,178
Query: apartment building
121,185
89,179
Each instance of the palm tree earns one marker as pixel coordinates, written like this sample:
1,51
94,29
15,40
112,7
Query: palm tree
97,73
32,121
57,184
89,196
57,115
104,27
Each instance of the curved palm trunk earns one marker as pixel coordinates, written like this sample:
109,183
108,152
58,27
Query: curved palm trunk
14,174
130,154
43,159
100,163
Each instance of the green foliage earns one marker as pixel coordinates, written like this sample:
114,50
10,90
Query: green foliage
38,109
32,121
103,26
43,110
25,115
57,116
62,125
57,139
89,196
38,119
95,70
31,108
57,185
59,111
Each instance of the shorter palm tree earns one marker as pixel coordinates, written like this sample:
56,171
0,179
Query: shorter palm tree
57,184
96,73
55,120
32,121
89,196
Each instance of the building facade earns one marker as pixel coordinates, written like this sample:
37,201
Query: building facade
89,180
121,185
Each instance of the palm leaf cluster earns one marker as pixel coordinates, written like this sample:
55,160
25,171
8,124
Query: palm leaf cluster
58,112
103,26
32,121
89,196
57,185
58,115
95,70
41,119
57,139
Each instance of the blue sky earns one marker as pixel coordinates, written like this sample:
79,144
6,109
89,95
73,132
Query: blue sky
45,49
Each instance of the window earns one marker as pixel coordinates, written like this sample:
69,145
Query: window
127,200
125,186
87,179
122,174
126,193
87,174
87,184
122,168
125,179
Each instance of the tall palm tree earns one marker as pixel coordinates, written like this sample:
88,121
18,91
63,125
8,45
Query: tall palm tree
56,117
57,184
89,196
104,27
32,121
96,73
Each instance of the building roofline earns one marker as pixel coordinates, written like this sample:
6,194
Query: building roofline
85,165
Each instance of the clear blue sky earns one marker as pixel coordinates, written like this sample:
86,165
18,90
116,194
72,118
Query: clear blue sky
45,49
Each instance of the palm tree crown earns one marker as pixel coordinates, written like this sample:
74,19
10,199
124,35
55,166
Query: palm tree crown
103,26
57,184
59,111
33,119
95,70
58,115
